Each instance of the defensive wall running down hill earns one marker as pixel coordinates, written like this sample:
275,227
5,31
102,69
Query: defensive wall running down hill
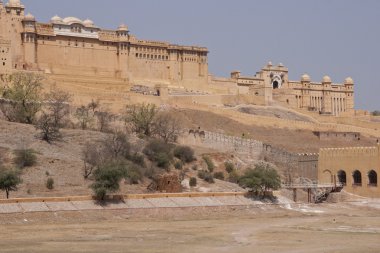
356,168
292,164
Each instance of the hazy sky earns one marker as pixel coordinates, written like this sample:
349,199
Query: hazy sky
339,38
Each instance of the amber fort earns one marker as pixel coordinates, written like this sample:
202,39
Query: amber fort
117,67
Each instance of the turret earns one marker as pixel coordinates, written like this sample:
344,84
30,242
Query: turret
122,31
349,85
29,40
305,81
326,100
15,7
235,74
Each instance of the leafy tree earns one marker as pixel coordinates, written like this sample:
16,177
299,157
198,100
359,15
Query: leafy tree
24,97
25,158
9,180
184,153
167,126
262,178
141,117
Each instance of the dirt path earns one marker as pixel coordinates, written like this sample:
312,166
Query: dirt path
327,228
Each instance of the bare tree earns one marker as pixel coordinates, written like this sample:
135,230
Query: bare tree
49,130
92,157
117,145
57,103
167,126
83,116
103,119
23,97
93,105
140,117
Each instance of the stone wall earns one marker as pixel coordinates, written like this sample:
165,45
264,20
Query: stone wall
356,167
291,165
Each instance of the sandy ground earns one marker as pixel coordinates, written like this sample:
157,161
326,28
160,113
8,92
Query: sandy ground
344,227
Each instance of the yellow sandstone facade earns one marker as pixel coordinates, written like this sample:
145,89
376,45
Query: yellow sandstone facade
74,49
72,46
357,168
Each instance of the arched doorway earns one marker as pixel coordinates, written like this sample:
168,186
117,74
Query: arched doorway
275,85
372,178
342,178
357,176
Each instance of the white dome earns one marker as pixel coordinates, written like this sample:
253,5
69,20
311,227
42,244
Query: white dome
326,79
348,80
122,27
29,17
305,78
14,3
72,20
56,19
88,23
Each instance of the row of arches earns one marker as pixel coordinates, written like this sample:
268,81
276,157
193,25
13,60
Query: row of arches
357,178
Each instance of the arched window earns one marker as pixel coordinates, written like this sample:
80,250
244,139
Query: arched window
372,178
342,178
357,176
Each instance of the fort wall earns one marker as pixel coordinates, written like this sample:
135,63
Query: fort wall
292,165
357,168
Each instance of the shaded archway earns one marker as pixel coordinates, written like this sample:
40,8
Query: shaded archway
275,85
342,178
357,176
372,178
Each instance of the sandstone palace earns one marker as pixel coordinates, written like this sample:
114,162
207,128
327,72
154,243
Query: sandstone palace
75,52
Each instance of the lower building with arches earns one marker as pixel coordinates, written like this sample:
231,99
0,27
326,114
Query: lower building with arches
357,168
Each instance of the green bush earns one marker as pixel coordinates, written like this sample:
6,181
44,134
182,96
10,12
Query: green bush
178,165
162,160
206,176
138,159
184,153
233,177
25,158
50,183
107,179
156,146
193,181
209,178
134,174
159,152
229,167
202,174
219,175
209,163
